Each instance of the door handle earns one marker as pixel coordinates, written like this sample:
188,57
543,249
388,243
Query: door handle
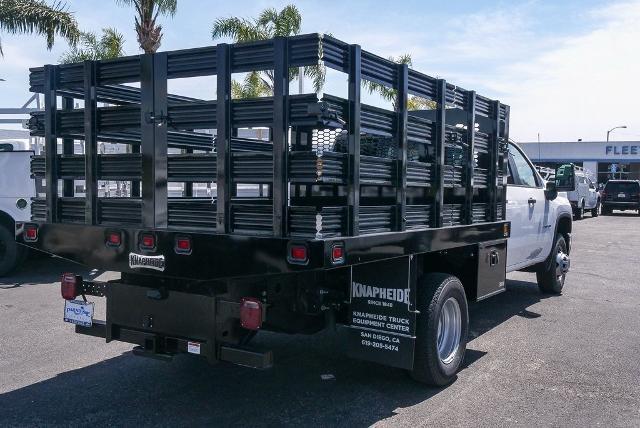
532,201
494,258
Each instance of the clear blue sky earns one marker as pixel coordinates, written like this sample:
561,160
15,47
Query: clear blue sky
568,69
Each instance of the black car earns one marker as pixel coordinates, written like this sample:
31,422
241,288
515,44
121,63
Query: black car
621,195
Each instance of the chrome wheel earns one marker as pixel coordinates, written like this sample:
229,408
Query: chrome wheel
449,330
563,263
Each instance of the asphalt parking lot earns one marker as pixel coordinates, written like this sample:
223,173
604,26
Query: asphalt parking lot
570,360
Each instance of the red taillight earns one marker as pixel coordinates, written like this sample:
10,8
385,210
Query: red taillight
337,254
31,232
250,313
298,254
114,239
70,285
147,241
183,245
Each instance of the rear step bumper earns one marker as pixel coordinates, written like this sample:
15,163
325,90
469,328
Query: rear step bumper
625,205
165,348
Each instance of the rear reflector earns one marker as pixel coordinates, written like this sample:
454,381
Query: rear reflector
183,245
70,285
114,239
298,254
31,233
147,241
250,313
337,254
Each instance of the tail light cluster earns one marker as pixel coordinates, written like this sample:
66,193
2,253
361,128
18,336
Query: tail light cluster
251,313
298,254
147,241
70,286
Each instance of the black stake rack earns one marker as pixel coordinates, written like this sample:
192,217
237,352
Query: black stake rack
331,166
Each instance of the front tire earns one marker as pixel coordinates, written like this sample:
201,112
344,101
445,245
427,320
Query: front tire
551,278
596,211
441,330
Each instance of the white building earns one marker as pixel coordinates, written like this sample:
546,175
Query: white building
606,160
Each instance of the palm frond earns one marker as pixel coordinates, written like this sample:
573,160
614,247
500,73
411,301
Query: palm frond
253,86
109,46
270,23
288,22
111,43
267,18
36,17
386,93
167,7
239,29
317,74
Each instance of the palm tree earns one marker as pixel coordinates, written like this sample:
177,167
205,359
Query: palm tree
391,95
148,31
35,16
109,46
269,24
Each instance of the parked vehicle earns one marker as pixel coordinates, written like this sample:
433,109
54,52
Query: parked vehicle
389,234
621,195
16,190
584,196
540,220
547,174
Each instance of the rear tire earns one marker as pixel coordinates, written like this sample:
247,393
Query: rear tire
441,329
580,212
606,211
596,211
550,279
10,252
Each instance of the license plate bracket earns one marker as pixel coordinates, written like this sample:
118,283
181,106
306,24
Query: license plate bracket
78,312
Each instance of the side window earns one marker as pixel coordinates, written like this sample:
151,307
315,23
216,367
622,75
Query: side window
526,174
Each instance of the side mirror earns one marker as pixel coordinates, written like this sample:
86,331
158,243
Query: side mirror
550,190
565,178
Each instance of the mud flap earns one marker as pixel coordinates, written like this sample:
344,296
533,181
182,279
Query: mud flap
382,312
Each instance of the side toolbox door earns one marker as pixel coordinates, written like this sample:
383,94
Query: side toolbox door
492,263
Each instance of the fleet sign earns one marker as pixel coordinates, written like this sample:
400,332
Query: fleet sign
622,150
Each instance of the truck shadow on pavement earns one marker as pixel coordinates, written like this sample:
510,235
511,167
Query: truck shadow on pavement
126,390
40,268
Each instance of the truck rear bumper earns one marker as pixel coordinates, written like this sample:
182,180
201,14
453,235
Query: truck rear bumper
166,322
164,348
218,256
621,205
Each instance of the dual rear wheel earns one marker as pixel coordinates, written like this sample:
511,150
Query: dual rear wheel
442,329
442,326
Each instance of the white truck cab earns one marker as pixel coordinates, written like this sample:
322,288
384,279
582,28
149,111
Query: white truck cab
16,190
541,220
